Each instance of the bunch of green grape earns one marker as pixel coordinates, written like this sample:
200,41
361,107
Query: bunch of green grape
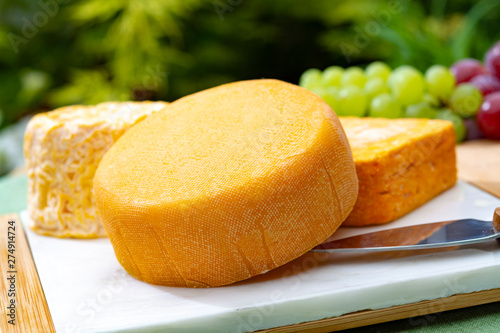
379,91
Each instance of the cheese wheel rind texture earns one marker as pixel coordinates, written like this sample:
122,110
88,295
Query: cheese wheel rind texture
226,184
62,149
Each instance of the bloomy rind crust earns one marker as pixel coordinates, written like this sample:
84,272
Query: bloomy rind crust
62,149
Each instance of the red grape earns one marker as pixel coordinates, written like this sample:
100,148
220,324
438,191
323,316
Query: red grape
466,69
473,130
488,117
492,60
486,83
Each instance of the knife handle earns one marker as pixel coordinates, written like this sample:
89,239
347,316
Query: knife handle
496,218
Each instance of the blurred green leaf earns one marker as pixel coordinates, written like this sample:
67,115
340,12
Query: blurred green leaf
460,45
33,85
95,10
89,51
87,87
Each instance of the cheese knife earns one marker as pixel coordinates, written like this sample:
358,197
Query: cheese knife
421,236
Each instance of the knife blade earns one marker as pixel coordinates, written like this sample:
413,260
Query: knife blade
421,236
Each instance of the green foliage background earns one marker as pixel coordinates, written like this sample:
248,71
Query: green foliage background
60,52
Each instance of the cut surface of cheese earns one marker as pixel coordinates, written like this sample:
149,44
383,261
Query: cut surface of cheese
400,163
62,149
229,183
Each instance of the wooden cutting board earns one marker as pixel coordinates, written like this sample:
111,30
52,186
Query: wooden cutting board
478,163
22,292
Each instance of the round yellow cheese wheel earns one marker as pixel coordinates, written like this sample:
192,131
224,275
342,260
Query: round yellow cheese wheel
226,184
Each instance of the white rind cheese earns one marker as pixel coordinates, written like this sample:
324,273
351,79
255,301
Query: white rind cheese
63,149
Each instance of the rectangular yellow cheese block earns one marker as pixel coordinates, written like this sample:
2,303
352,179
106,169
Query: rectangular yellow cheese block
401,164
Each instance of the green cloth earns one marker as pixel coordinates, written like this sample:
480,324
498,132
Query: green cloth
13,191
482,318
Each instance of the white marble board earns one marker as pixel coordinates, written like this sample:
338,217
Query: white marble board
88,291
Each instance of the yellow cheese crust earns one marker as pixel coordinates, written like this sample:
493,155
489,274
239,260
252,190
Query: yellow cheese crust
62,149
229,183
400,163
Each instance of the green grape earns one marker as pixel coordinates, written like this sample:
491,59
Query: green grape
407,85
333,91
352,101
385,106
311,78
332,76
378,69
318,90
329,95
375,86
399,70
440,82
466,100
420,110
354,76
431,100
458,123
